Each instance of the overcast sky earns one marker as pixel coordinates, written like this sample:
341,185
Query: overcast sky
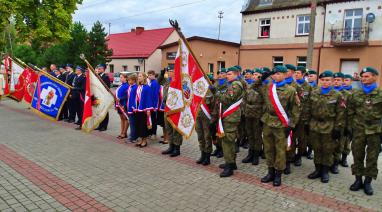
196,17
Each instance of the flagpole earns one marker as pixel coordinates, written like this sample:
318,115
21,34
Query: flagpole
175,25
82,56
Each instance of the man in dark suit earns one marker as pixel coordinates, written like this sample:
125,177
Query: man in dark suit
69,102
53,68
105,78
62,77
78,94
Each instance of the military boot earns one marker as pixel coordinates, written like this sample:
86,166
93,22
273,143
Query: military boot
169,150
222,166
220,153
317,172
344,161
249,157
255,160
277,180
334,168
228,170
237,147
358,184
206,159
297,160
215,152
202,158
325,174
270,176
309,154
287,168
176,151
367,186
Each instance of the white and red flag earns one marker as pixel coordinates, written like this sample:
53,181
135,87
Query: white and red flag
98,99
17,84
187,90
30,80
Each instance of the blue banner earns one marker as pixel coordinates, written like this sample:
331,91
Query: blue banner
49,96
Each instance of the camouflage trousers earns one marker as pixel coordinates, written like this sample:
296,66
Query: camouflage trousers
342,147
323,147
299,143
228,141
275,145
242,128
365,148
174,137
254,132
203,131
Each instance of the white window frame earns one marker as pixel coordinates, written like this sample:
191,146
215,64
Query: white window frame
137,68
304,22
125,68
353,18
261,25
299,61
211,67
278,62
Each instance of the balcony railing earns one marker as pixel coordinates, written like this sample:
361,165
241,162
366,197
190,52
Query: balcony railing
350,36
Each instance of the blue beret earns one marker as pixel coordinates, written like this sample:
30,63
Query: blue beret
326,73
370,70
290,67
281,69
80,68
338,75
101,66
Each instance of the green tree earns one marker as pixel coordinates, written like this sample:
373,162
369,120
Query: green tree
46,20
25,53
78,44
99,51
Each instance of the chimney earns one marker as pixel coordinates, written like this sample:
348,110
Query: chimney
139,30
133,30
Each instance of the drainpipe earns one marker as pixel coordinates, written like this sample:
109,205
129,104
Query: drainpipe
322,44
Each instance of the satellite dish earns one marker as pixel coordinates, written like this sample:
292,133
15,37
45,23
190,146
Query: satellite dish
333,18
370,18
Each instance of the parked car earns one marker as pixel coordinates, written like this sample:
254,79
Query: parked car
117,81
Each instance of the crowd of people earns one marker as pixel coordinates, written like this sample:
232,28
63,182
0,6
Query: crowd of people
280,115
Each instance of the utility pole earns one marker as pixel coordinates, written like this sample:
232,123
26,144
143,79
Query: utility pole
312,27
109,27
220,22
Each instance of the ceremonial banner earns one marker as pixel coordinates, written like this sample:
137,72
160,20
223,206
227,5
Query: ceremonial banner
186,92
30,81
98,100
16,86
49,96
5,70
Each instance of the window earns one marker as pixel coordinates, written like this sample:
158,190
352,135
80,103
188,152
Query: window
278,61
171,55
211,67
301,61
124,67
353,25
303,25
111,68
265,28
137,68
221,64
265,2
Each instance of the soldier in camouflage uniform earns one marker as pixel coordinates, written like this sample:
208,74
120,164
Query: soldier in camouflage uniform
175,138
291,153
275,133
348,80
230,123
312,78
253,110
242,139
221,87
326,114
202,129
300,137
365,115
343,145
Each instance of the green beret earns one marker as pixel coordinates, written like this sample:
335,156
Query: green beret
265,69
233,68
257,70
248,71
326,74
301,68
348,76
312,72
210,76
281,69
222,70
338,75
238,67
370,70
290,67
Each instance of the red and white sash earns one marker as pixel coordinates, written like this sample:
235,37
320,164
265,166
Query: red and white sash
233,108
205,109
149,122
277,106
